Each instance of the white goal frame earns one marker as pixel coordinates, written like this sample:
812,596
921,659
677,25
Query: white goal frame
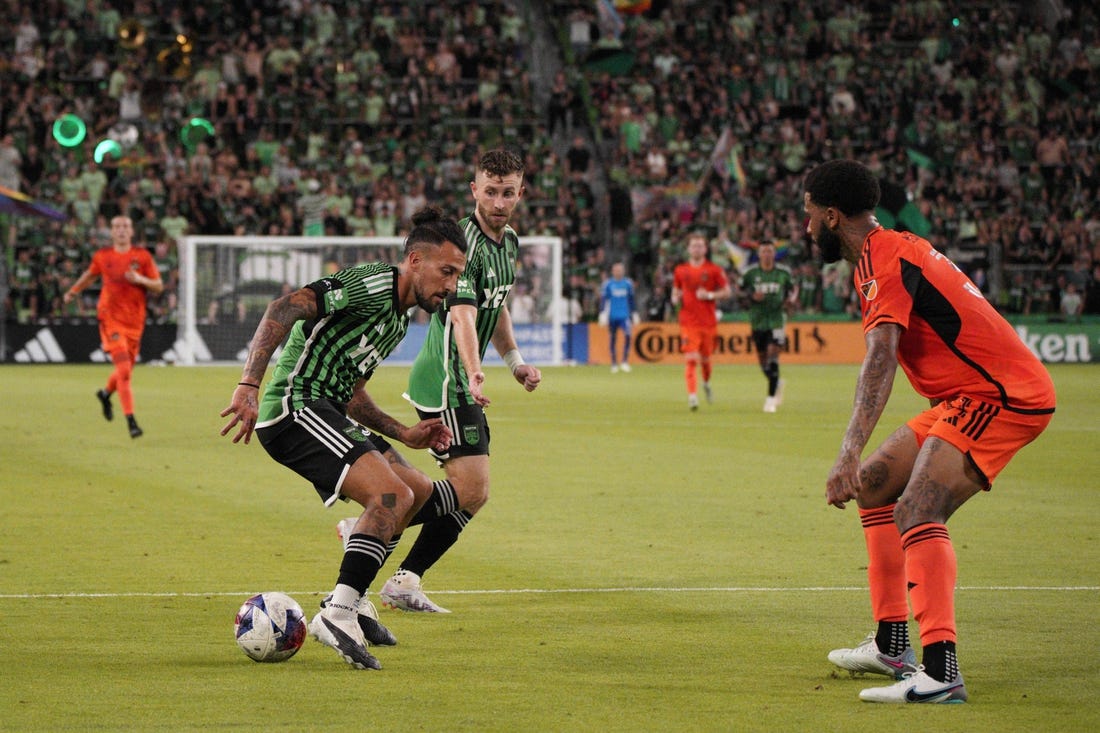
190,348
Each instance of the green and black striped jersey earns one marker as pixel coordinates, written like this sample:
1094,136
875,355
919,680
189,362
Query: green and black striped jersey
438,380
359,323
776,284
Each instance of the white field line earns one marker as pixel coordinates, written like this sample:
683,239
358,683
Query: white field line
548,591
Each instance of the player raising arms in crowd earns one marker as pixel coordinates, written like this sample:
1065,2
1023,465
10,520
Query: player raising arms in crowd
990,397
311,415
128,273
696,286
446,379
770,290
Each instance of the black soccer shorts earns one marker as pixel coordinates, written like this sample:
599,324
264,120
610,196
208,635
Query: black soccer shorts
320,443
471,431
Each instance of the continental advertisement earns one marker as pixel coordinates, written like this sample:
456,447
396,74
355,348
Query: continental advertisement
810,342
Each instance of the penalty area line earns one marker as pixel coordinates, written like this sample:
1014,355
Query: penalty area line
552,591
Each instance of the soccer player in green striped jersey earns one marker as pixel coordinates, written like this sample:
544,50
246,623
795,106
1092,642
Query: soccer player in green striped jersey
770,290
312,415
447,378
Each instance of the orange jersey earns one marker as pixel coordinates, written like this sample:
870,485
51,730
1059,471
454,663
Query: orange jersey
954,342
121,301
688,278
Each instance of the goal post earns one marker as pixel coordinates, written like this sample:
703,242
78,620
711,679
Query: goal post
226,283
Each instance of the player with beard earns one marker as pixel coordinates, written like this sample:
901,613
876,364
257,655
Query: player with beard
447,379
313,410
990,396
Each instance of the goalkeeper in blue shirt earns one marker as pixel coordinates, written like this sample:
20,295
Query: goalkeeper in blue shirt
618,314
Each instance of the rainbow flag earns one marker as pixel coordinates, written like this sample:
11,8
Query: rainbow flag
20,204
735,168
726,158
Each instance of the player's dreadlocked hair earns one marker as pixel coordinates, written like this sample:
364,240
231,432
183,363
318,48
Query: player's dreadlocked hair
500,163
432,227
846,185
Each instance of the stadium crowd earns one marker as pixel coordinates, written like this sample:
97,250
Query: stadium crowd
344,117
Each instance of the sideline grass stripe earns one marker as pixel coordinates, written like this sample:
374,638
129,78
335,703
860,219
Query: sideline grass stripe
534,591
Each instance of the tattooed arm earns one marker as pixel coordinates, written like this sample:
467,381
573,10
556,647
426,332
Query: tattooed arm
280,316
431,433
876,379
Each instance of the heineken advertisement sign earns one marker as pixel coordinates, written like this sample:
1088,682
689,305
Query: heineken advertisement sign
1061,343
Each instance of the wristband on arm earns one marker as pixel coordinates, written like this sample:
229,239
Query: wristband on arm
514,360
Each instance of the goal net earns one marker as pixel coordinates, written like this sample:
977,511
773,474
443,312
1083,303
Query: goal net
227,282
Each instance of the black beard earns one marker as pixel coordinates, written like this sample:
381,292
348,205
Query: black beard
829,243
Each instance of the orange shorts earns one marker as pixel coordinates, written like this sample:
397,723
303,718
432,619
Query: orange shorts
114,337
987,434
698,339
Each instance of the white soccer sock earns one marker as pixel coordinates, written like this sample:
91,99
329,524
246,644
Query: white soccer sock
345,600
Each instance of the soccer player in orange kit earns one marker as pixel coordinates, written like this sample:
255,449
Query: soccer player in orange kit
990,396
696,285
128,273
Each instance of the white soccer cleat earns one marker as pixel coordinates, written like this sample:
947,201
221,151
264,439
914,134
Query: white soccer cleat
708,393
918,687
866,658
779,391
403,593
693,402
625,367
373,631
770,405
345,528
614,368
338,627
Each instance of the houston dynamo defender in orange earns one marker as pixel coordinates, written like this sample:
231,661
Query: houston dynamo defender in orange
990,397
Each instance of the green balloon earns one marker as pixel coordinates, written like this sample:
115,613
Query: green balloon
195,131
69,130
105,148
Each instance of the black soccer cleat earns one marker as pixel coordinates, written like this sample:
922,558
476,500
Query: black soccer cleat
105,403
135,431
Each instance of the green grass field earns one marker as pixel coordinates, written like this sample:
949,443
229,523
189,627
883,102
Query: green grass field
639,568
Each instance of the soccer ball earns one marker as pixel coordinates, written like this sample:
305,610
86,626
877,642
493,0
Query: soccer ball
270,627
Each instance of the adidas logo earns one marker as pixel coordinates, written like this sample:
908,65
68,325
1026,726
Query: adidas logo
42,349
491,274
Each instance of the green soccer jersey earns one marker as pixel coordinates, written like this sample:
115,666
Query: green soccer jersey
438,380
359,323
776,284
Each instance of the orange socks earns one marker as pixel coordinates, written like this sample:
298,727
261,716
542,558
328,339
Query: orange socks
885,564
931,570
689,376
120,381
